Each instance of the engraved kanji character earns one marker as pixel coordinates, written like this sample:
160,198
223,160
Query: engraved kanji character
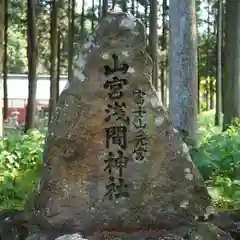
117,110
116,135
121,160
139,154
139,124
139,96
141,139
110,162
140,111
111,188
123,69
116,67
115,86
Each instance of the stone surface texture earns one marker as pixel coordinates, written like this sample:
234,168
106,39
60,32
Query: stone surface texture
203,231
75,236
165,189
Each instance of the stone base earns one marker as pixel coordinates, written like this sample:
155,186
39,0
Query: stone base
203,231
14,226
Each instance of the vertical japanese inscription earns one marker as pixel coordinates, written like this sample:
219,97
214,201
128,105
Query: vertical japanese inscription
141,142
116,132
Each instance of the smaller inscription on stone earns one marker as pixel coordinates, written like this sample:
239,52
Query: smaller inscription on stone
116,134
141,143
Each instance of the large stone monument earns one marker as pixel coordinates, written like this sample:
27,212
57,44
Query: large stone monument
113,160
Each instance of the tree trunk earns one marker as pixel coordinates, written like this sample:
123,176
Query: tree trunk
211,83
146,15
133,7
223,53
5,63
114,3
70,41
93,15
219,65
82,21
183,67
124,5
207,93
32,65
100,10
163,48
104,7
2,7
211,93
207,63
53,60
58,64
232,74
73,21
153,41
198,86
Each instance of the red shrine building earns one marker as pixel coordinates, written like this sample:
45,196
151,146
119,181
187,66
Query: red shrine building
17,85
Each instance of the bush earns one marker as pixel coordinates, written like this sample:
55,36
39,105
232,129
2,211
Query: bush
218,160
20,165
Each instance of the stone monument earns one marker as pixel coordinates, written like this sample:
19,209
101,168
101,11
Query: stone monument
113,162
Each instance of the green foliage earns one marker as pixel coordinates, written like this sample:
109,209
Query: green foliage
20,164
17,34
17,55
206,126
218,160
17,39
